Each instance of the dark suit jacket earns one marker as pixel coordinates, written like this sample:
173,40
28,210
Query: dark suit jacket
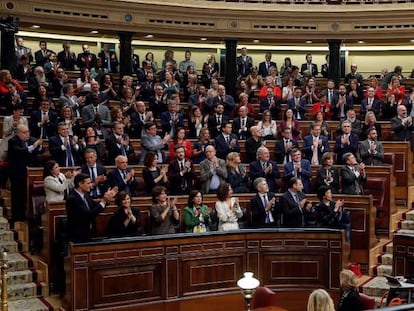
223,148
307,147
371,158
349,104
20,158
59,155
263,70
113,60
376,107
305,174
293,215
275,110
49,129
244,67
401,132
349,180
115,179
40,59
114,150
158,106
67,62
81,217
341,150
321,177
256,170
166,124
280,153
259,214
100,169
324,70
175,179
301,109
237,126
82,63
304,67
213,126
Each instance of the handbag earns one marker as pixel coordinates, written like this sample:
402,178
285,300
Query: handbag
199,228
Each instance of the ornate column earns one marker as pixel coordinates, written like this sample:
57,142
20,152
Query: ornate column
8,28
230,74
125,53
334,71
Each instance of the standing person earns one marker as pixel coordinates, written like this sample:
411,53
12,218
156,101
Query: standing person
213,171
402,125
66,57
82,209
309,67
327,175
331,214
57,184
199,147
152,142
315,145
253,143
109,59
65,149
353,175
154,174
180,172
164,212
126,221
10,124
371,150
196,214
264,167
96,172
299,168
86,59
284,146
22,50
346,142
118,143
244,63
350,299
263,206
228,208
236,173
123,177
22,151
42,55
264,67
296,209
226,142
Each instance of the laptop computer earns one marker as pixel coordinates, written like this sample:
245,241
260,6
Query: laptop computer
395,282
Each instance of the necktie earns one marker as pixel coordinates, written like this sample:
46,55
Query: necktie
228,140
86,202
315,159
330,97
142,118
243,123
123,152
93,177
124,176
297,200
218,120
264,166
181,166
21,52
69,155
265,202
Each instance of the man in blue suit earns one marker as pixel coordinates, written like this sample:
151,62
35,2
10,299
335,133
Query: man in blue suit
96,172
65,149
346,142
123,177
226,142
300,168
266,168
297,104
315,145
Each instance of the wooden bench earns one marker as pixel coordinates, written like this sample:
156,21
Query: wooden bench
196,271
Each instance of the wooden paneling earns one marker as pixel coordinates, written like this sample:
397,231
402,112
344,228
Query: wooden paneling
403,254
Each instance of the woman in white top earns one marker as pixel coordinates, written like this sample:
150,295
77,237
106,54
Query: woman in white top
83,84
57,184
267,126
228,208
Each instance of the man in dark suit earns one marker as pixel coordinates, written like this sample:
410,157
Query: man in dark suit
118,143
370,104
96,172
315,145
98,116
296,210
226,100
122,177
22,152
402,125
325,67
263,206
158,103
341,104
309,67
264,67
42,55
353,175
297,104
66,57
242,124
82,209
354,75
253,143
65,149
22,50
244,63
216,121
266,168
299,168
109,59
139,117
180,173
284,146
272,103
171,119
226,142
346,142
43,122
86,59
371,150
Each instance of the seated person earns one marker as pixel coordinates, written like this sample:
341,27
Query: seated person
196,214
164,213
126,221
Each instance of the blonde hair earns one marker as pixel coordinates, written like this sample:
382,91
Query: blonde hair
230,160
348,280
319,300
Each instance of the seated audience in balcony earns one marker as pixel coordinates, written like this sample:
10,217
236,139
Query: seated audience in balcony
370,122
228,208
355,92
371,150
96,172
226,142
267,126
153,173
297,104
323,106
213,171
315,145
263,206
164,215
309,67
199,147
389,108
57,185
290,122
349,299
354,75
345,142
264,67
341,104
236,173
286,68
299,168
331,214
319,300
327,174
353,175
297,211
180,172
126,221
196,214
253,80
242,124
398,90
266,168
320,120
153,142
253,143
284,146
180,139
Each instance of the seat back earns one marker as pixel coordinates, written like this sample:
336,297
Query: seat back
367,302
263,297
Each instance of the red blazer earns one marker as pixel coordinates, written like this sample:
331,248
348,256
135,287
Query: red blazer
326,110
